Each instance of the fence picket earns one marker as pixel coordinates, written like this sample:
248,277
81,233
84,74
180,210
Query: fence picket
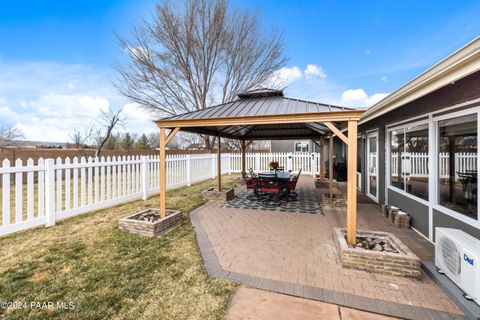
6,194
41,188
18,193
67,184
30,191
75,182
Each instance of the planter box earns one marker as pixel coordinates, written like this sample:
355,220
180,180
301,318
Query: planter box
403,262
392,212
385,210
337,201
148,223
224,195
402,220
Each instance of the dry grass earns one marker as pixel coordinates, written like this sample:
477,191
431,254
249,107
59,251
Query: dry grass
110,274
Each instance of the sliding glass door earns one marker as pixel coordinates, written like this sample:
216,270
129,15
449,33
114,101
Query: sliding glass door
372,165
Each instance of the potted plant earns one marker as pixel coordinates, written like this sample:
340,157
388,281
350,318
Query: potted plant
273,165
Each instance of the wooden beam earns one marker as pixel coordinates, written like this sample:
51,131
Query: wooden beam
244,156
315,142
248,144
322,161
352,183
346,115
219,164
330,168
163,175
171,135
335,130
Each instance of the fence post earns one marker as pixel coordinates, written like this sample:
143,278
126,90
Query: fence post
213,166
289,161
145,177
313,164
229,162
50,192
189,171
257,162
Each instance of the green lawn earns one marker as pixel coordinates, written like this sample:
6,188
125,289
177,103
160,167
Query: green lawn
108,274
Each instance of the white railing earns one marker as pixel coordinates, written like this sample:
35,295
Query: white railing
416,164
50,190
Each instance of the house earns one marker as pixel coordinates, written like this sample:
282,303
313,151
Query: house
305,146
419,146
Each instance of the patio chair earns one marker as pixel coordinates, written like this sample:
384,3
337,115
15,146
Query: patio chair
250,183
268,186
252,173
292,184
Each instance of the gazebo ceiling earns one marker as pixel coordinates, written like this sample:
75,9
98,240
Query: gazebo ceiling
262,114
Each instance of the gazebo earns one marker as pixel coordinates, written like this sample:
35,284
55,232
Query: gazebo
266,114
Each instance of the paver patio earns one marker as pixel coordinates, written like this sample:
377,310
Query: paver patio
295,254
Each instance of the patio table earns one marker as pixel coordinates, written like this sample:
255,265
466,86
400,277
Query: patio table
281,175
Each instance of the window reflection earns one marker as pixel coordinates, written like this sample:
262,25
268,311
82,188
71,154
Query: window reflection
457,164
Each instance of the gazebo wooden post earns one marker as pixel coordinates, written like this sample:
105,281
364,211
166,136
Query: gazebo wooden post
163,174
219,164
244,156
322,161
330,168
163,168
352,183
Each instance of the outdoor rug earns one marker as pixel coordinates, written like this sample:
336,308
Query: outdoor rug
306,203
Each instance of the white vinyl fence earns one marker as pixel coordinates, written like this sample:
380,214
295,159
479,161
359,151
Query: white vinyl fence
416,164
40,194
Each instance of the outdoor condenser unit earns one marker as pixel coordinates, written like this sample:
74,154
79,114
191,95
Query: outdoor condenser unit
457,254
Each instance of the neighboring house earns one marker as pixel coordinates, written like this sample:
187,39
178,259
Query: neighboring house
419,146
307,146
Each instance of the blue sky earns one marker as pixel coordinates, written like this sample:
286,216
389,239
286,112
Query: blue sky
57,57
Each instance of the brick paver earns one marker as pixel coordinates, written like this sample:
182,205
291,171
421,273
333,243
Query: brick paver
295,254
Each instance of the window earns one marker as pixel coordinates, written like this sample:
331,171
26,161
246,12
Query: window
409,160
301,146
457,164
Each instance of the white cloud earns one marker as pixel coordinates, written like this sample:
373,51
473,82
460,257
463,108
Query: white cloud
133,111
375,98
384,78
359,98
314,71
285,76
368,51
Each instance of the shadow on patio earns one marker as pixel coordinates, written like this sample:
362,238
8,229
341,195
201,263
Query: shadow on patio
294,253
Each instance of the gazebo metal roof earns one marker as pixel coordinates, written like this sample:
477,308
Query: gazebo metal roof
260,103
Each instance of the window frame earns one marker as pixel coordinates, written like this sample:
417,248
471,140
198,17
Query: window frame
403,127
301,141
434,202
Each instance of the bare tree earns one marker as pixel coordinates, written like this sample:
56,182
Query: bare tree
81,139
194,54
107,124
154,139
8,136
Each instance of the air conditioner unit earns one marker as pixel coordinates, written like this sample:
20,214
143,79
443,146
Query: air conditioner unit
457,254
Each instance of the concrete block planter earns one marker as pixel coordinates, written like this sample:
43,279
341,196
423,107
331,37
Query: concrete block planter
399,260
213,194
392,212
402,220
148,223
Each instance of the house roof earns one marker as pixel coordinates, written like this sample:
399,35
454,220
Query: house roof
261,104
456,66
